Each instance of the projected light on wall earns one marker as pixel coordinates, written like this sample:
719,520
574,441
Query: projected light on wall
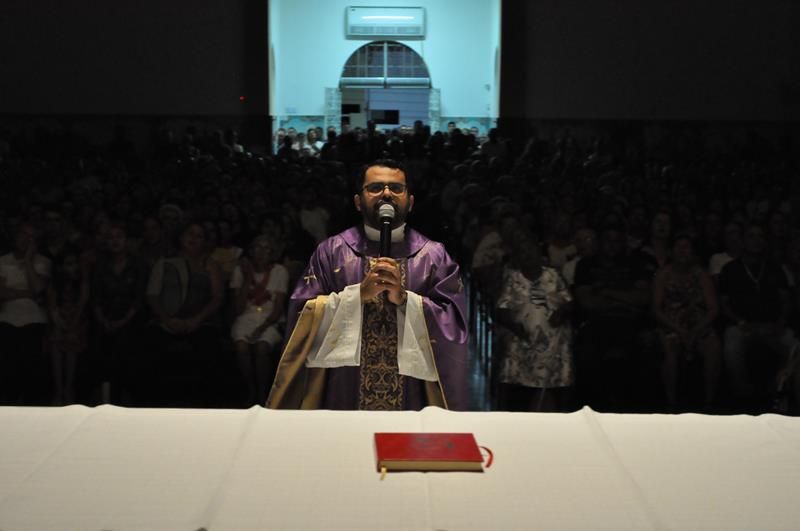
434,61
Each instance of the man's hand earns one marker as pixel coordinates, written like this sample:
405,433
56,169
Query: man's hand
383,276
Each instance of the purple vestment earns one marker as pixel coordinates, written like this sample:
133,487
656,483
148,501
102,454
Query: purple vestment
341,260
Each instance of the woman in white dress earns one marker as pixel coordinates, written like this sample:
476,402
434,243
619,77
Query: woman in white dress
259,286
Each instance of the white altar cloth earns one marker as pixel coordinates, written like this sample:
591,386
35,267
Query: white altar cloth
148,469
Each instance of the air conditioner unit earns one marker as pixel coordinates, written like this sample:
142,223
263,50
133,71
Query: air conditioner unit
385,22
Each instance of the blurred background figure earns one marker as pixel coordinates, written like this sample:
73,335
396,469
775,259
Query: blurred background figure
24,276
534,303
685,306
259,285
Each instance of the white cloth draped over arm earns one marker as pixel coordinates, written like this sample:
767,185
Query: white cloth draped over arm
338,340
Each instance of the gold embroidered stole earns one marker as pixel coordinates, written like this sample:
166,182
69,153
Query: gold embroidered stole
381,386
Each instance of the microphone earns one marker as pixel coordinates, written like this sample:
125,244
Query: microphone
386,215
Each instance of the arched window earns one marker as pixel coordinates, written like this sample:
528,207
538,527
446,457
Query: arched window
385,64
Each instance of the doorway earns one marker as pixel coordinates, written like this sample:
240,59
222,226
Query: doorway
386,82
387,107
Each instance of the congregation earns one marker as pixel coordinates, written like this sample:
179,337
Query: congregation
621,276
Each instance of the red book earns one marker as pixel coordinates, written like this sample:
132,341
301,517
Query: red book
427,451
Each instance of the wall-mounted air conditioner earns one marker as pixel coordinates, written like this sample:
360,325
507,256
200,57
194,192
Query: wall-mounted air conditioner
385,22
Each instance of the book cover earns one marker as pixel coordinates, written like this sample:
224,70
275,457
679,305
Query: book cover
428,451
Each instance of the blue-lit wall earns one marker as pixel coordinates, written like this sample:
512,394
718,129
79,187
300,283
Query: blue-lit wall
308,50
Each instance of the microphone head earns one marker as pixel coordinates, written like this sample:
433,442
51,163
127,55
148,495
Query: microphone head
386,212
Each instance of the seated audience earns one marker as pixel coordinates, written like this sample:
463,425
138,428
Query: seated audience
596,175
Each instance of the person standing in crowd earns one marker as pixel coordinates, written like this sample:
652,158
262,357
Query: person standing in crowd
184,294
732,247
314,143
24,276
226,253
55,240
612,291
585,246
388,333
67,300
560,247
153,245
118,298
685,307
259,286
534,305
755,301
659,245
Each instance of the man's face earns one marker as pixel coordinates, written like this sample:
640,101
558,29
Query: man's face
661,226
586,242
368,202
53,223
151,230
612,243
193,239
25,236
754,241
117,241
682,251
263,251
732,238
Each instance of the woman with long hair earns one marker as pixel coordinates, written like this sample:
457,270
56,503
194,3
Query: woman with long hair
259,284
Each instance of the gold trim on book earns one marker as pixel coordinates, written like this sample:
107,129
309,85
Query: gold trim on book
476,466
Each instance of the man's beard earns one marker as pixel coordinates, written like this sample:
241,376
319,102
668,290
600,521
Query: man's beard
373,220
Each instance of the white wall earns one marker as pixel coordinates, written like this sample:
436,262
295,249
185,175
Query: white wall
309,50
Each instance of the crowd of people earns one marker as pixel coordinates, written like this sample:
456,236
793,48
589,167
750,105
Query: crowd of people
620,277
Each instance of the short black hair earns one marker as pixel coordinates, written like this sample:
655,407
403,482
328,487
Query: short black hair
384,163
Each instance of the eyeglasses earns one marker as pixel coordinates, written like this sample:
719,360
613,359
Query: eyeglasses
377,188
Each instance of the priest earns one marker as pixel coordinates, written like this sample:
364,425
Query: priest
370,332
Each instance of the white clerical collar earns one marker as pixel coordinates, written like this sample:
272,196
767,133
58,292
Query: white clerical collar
375,235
